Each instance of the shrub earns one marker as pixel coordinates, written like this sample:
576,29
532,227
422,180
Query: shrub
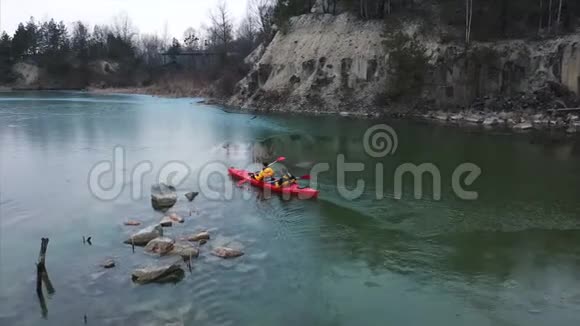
408,65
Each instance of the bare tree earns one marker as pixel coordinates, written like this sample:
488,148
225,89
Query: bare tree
246,35
191,39
123,27
221,26
165,39
559,15
468,20
541,16
550,16
263,14
150,48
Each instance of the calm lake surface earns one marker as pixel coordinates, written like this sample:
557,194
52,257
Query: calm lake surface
511,257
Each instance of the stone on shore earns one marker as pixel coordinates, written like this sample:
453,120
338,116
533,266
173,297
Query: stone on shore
185,250
143,236
163,196
523,126
441,116
490,121
161,274
161,246
224,252
198,237
474,118
456,117
191,195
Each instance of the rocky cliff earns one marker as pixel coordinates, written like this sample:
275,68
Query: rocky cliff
326,63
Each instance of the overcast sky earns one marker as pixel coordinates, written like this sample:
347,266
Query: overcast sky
149,16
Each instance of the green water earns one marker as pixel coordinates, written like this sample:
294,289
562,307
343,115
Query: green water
511,257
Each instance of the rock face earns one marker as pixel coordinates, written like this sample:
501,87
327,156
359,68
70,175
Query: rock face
326,63
161,246
163,196
162,274
225,252
142,237
319,57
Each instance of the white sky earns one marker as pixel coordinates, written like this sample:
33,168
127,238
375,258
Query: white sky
149,16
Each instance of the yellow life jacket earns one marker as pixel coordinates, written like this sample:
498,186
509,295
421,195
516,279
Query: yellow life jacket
265,173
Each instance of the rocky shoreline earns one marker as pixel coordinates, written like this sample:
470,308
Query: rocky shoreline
518,121
536,111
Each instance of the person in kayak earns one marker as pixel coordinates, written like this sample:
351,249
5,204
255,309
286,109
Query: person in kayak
286,180
265,174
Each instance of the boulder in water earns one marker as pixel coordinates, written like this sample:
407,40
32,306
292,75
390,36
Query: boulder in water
161,245
191,195
198,237
162,274
163,196
185,250
224,252
142,237
132,223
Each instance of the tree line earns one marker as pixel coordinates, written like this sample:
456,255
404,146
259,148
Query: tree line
64,49
484,19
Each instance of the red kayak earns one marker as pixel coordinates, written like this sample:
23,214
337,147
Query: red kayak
295,189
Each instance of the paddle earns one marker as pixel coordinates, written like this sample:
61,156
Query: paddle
279,159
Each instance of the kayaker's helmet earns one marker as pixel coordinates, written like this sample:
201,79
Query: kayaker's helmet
265,164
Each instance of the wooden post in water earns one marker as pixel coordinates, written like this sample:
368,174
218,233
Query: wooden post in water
42,276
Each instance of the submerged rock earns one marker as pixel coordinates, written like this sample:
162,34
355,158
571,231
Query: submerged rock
161,245
162,274
191,195
225,252
142,237
185,250
109,263
198,237
163,196
176,218
166,222
132,223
